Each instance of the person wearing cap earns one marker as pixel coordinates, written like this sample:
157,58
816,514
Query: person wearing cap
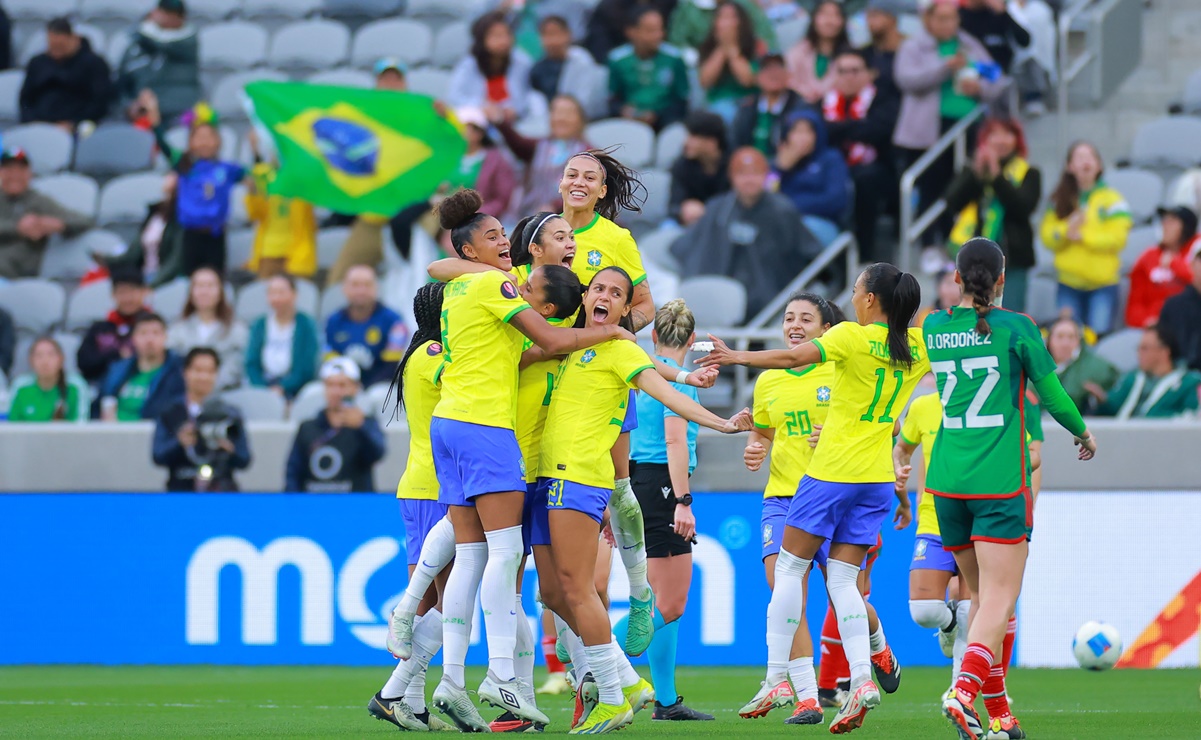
1181,315
702,170
163,56
28,219
1164,269
758,122
111,338
391,74
336,450
66,84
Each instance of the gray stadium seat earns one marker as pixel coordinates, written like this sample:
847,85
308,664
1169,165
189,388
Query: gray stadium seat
332,300
252,300
48,146
452,43
428,81
117,44
257,404
1142,189
309,45
445,8
125,199
39,10
309,402
71,259
329,245
394,37
635,141
70,345
76,192
236,45
1169,143
343,78
212,10
168,300
669,144
375,398
1192,93
1121,349
1139,240
129,11
1041,295
658,198
226,97
36,305
91,302
36,44
21,355
115,149
239,244
177,137
715,300
10,95
656,247
279,9
789,32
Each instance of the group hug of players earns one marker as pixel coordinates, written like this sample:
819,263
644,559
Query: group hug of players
519,392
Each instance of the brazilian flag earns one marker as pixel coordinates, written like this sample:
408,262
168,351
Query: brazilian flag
356,151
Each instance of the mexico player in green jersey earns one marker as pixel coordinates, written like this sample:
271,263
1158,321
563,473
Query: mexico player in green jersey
980,470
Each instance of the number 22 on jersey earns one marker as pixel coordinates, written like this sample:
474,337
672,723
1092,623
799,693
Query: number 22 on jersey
970,367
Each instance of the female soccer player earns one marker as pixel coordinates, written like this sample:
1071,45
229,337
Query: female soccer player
576,475
476,456
848,489
980,470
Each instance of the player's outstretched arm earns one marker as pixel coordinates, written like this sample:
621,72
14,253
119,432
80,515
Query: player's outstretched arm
659,389
769,359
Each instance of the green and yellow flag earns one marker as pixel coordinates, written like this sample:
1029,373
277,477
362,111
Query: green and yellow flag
356,151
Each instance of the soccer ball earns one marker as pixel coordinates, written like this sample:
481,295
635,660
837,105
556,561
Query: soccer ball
1097,646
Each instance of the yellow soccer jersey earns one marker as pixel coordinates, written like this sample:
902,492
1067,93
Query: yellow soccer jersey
421,395
534,387
602,244
791,402
481,350
587,411
921,426
868,396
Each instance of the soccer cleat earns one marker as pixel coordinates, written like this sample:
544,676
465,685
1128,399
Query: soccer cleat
962,715
641,626
772,695
1005,727
434,723
807,712
639,696
858,704
946,637
587,696
396,712
556,683
604,718
509,722
562,653
511,696
678,712
831,698
454,702
400,636
887,669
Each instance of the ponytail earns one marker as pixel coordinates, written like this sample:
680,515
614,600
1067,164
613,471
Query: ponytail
624,191
980,263
427,311
831,313
528,231
900,296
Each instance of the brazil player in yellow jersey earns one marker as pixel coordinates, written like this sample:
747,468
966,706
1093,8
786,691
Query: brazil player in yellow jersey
576,475
476,456
848,489
979,471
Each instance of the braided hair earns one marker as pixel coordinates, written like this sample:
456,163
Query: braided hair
624,191
427,311
980,264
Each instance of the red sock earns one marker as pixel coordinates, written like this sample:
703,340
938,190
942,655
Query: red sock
974,671
553,664
833,666
1007,646
995,700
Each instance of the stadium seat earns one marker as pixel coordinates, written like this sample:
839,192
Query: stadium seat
656,247
716,301
71,259
89,303
239,244
789,32
658,198
380,404
343,78
395,37
177,137
429,81
1137,242
669,144
332,300
1041,302
36,44
126,12
634,140
452,43
309,45
76,192
664,281
70,345
309,402
226,97
117,44
442,9
257,404
21,354
11,81
1170,143
279,9
238,216
358,13
329,245
39,10
48,146
115,149
1142,189
1192,93
125,199
1121,349
168,300
36,305
236,45
252,300
212,10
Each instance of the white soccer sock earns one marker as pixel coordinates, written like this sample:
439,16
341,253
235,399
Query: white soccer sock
458,605
437,550
804,680
877,640
496,597
629,531
930,613
427,641
523,658
784,612
415,694
575,648
963,612
626,675
605,672
842,583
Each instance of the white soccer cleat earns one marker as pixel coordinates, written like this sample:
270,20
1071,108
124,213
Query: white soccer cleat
773,694
400,635
512,696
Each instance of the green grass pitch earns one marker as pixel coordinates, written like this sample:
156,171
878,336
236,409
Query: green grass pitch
204,701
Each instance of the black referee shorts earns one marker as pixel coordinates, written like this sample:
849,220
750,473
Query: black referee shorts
652,486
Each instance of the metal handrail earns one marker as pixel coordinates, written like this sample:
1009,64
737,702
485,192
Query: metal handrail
844,243
1069,69
913,225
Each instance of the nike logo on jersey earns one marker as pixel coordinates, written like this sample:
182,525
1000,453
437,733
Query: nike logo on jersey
666,491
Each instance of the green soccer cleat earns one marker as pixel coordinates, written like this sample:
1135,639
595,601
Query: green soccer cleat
641,626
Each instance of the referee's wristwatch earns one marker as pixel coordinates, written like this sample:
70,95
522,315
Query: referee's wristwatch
685,500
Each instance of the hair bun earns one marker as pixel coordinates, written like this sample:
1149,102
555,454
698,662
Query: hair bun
456,210
676,306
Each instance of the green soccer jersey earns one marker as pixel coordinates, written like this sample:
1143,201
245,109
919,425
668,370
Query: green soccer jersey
982,448
648,85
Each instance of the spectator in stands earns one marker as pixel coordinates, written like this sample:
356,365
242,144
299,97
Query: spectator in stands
702,170
285,239
6,40
68,83
1078,367
28,219
693,20
283,347
565,69
886,40
1181,316
200,439
939,73
996,197
366,331
648,80
1161,387
1164,269
163,56
544,159
607,25
727,67
8,342
947,294
335,451
810,60
860,121
525,18
1035,66
141,386
48,393
750,234
208,321
391,74
111,339
992,25
813,175
494,73
1086,227
759,120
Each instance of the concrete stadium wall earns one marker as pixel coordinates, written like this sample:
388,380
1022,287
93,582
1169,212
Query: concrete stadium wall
116,457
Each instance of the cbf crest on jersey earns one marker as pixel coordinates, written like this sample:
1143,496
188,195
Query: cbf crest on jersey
594,258
588,356
823,394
